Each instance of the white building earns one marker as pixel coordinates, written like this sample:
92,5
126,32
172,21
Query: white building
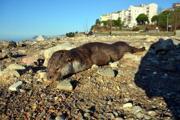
129,16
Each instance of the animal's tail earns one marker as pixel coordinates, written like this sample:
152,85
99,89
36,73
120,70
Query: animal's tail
134,50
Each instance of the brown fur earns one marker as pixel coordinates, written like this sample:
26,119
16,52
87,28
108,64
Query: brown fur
65,62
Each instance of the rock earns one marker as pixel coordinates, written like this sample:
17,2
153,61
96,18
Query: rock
163,45
147,117
34,106
127,105
152,113
115,113
177,58
60,118
114,64
94,66
41,75
109,72
39,38
15,67
110,116
31,59
176,42
87,115
5,53
7,44
65,85
136,109
139,115
168,67
12,44
15,86
118,118
9,73
48,52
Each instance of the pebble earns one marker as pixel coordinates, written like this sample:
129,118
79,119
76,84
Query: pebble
139,115
15,86
65,85
94,66
87,115
108,72
118,118
10,73
115,113
136,109
42,75
152,113
114,64
15,67
60,118
147,117
34,106
110,115
128,105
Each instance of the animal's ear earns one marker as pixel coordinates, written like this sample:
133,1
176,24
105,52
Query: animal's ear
62,52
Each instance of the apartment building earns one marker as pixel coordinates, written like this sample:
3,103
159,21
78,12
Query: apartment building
129,16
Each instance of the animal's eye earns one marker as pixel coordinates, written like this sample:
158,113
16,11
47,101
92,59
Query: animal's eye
57,68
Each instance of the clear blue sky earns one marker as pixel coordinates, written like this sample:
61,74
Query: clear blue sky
25,18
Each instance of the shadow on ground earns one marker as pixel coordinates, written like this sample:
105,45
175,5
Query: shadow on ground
159,74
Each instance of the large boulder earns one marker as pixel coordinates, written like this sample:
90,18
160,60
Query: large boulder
10,73
65,85
107,72
48,52
15,67
31,59
39,38
8,76
163,45
7,44
4,54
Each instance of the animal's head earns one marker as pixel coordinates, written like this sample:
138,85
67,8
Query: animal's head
59,65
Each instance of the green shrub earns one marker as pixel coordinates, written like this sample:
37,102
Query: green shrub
70,34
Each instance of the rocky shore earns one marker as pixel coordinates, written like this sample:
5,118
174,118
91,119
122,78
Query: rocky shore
141,86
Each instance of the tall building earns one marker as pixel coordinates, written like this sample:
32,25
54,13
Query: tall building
129,16
176,5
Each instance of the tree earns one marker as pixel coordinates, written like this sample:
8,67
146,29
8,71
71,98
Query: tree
142,19
117,23
98,22
154,19
176,17
165,18
105,23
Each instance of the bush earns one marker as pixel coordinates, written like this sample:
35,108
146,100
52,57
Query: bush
70,34
136,29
